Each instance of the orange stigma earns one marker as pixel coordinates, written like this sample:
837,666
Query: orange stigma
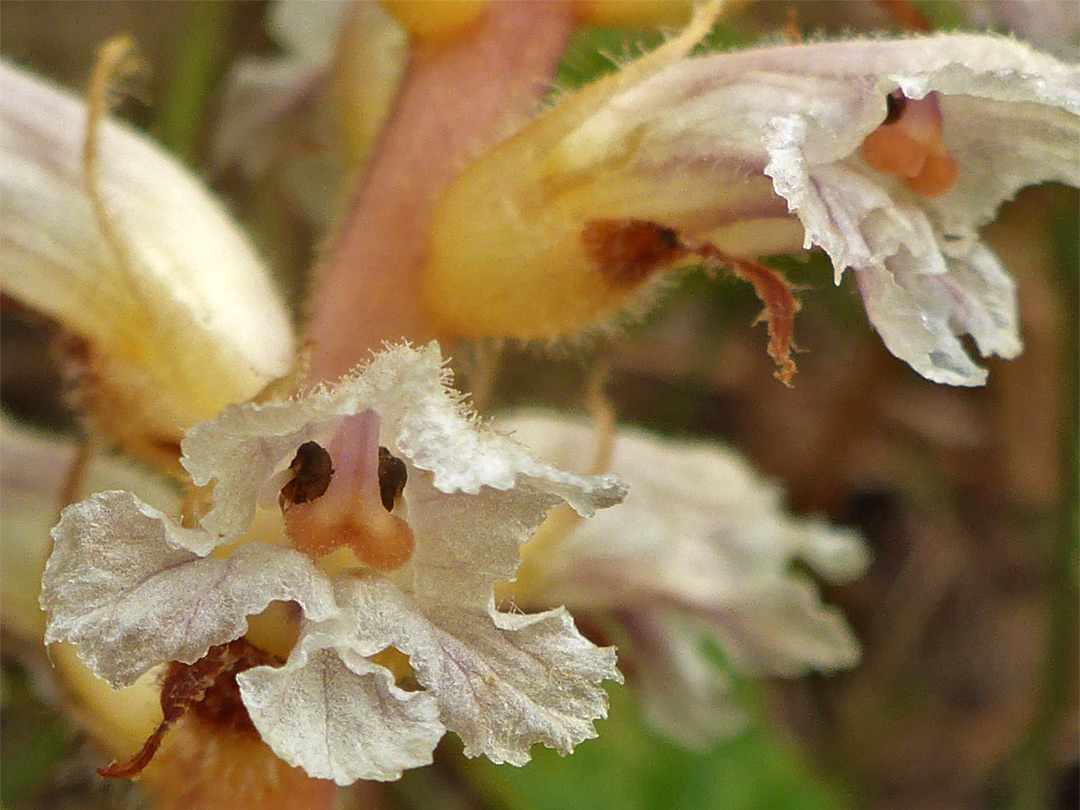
340,496
910,145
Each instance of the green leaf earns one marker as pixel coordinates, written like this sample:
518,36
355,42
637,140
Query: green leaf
631,768
944,14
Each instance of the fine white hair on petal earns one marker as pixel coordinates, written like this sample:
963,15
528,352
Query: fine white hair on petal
339,716
502,681
421,420
123,584
434,430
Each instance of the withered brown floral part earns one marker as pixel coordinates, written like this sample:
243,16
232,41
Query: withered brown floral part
206,688
775,293
628,251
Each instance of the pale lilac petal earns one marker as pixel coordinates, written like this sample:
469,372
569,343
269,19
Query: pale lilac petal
920,315
682,694
779,627
264,98
474,540
502,681
329,93
260,93
123,586
703,537
338,716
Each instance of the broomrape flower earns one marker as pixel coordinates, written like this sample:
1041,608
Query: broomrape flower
172,314
323,102
701,549
396,511
888,155
399,514
168,315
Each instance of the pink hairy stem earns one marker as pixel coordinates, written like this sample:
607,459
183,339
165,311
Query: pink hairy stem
456,97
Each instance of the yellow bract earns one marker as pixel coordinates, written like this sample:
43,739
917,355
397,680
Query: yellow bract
509,252
369,64
118,719
172,312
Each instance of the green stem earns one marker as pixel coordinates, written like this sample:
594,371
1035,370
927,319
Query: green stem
197,67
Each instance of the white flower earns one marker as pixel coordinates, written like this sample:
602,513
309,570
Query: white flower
178,315
31,480
702,547
384,555
722,149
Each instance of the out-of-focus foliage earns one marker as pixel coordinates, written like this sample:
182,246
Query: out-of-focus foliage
629,767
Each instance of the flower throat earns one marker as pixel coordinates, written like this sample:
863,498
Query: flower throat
344,496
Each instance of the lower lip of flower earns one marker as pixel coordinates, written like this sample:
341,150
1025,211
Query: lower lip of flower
351,512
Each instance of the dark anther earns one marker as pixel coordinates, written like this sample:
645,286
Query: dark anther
392,478
894,106
312,470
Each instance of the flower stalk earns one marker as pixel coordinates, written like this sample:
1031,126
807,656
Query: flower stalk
466,90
